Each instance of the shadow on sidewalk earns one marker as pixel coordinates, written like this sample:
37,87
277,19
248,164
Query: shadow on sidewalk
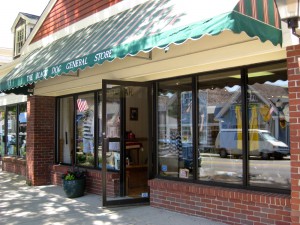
45,205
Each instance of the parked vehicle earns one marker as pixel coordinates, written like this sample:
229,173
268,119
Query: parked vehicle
229,142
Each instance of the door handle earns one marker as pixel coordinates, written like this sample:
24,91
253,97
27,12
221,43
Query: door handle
66,135
105,144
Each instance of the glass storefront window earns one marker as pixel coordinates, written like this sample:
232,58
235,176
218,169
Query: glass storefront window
66,130
220,127
243,132
100,130
11,130
113,128
13,124
22,129
268,109
175,143
242,127
85,154
2,131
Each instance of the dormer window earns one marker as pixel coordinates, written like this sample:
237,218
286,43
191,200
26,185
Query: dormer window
20,39
21,29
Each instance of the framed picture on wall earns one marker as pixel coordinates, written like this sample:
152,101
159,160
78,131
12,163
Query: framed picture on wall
134,113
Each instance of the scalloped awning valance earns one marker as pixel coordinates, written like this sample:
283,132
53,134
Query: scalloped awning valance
153,24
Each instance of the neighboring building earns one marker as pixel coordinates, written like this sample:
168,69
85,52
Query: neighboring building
13,110
5,56
140,93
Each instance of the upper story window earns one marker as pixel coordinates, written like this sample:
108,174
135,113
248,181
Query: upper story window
20,39
21,28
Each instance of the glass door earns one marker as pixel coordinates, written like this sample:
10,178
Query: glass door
126,157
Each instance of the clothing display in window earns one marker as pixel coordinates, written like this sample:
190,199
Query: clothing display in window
88,134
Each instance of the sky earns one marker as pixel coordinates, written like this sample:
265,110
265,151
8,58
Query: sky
9,12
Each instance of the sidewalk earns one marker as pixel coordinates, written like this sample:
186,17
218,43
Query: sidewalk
45,205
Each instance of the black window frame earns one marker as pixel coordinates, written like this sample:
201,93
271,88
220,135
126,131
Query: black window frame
97,99
5,136
244,84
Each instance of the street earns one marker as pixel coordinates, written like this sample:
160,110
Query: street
262,172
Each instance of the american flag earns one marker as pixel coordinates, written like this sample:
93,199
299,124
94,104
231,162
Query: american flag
82,105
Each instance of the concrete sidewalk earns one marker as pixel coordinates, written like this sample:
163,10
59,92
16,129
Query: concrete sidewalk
45,205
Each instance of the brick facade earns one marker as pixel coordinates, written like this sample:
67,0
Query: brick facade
241,206
40,139
93,181
14,165
293,64
231,206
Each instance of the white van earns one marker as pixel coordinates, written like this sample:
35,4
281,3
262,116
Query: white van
228,142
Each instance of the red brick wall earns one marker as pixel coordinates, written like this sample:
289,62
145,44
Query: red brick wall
14,165
93,182
231,206
40,139
293,62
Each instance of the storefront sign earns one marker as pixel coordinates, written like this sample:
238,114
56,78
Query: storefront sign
103,55
76,63
63,68
41,74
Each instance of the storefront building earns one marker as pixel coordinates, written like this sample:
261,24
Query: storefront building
13,124
193,110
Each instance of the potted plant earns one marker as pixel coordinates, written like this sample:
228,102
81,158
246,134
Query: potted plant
74,183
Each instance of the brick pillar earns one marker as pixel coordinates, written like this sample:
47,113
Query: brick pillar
293,64
40,139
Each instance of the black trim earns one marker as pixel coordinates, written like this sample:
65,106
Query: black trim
5,131
195,135
152,136
244,82
18,130
57,132
227,185
24,90
223,70
5,135
122,141
122,201
243,69
245,115
73,151
155,129
96,126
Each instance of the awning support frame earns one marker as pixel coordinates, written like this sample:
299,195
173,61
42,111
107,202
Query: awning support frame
143,57
72,75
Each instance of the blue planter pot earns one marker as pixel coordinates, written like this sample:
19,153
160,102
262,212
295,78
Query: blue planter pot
74,188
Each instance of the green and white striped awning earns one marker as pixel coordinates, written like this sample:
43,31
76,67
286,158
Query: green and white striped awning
153,24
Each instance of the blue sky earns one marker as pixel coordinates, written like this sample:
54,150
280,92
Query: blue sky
9,12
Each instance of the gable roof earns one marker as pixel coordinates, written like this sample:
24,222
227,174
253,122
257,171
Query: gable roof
26,16
30,16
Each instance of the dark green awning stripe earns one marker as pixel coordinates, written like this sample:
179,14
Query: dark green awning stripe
142,28
263,10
